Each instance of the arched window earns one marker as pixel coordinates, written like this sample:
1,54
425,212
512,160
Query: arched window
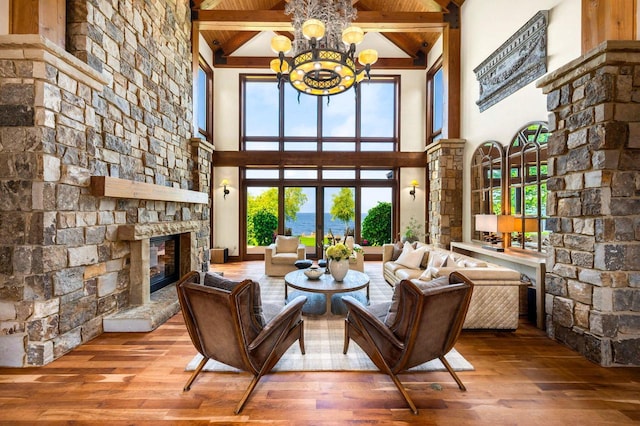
527,171
486,182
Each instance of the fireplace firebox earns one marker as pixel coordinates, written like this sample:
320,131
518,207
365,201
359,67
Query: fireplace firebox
164,261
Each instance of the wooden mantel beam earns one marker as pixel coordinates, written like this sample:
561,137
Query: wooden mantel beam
276,20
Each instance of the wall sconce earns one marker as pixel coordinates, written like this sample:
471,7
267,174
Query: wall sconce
414,183
494,224
224,184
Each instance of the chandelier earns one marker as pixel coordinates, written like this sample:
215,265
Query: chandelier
323,48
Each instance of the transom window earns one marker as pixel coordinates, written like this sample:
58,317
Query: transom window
282,119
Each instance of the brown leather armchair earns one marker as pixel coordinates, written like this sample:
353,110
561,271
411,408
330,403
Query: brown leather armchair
226,323
421,323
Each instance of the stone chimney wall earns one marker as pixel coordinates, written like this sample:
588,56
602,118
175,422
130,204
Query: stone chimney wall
121,107
593,279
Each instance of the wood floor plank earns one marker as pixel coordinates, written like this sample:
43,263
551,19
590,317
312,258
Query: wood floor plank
520,378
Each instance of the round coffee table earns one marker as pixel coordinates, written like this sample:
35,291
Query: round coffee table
326,285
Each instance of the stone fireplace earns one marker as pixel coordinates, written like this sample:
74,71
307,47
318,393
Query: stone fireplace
96,157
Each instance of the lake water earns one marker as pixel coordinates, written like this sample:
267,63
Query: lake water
305,223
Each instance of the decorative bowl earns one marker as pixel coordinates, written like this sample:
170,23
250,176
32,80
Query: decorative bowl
313,273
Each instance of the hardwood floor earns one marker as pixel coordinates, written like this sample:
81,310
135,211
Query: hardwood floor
137,378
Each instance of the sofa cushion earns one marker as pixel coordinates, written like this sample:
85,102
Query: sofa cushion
284,258
410,257
218,281
403,273
285,244
422,285
397,250
475,264
456,260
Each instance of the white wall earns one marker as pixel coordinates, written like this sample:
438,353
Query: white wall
484,29
226,138
4,16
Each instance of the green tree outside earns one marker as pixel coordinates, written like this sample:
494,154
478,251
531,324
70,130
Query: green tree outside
344,206
267,201
376,226
264,225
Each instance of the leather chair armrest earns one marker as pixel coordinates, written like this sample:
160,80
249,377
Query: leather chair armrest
280,323
370,322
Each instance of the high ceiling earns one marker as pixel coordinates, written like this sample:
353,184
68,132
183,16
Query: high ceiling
413,26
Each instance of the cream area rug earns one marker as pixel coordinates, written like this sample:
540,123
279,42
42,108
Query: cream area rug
324,339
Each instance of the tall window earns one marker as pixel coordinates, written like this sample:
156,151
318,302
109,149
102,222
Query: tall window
435,102
203,108
527,168
486,182
310,200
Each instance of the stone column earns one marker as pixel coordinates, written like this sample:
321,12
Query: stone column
201,155
445,161
593,283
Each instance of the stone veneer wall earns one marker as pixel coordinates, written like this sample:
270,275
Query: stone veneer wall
123,109
445,160
593,283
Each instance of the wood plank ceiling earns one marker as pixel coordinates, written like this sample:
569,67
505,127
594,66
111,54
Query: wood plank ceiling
412,25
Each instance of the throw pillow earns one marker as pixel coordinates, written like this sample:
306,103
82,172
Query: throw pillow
437,259
427,274
286,244
218,281
455,261
397,250
410,257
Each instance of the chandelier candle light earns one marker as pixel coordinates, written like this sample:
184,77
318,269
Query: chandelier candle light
324,47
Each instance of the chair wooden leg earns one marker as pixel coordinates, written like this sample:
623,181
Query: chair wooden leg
247,393
403,391
453,373
195,373
345,347
301,338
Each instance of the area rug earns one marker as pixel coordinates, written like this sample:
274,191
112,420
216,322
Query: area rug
324,339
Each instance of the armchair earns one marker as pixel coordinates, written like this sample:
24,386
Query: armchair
226,322
280,257
421,323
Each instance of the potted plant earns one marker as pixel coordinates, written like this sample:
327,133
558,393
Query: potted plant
338,256
413,231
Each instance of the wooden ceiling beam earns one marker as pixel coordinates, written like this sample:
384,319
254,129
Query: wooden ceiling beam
262,62
367,159
276,20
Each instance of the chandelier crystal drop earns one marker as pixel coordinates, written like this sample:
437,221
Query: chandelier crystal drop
323,61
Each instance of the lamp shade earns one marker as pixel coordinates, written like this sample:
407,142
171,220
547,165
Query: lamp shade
352,35
313,28
280,43
224,182
368,57
414,183
530,224
494,223
277,65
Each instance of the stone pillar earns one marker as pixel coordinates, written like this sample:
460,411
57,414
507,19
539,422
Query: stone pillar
201,155
593,284
445,161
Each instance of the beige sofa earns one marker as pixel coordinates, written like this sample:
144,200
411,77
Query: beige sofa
496,293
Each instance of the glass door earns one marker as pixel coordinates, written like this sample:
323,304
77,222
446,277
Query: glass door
300,216
262,218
